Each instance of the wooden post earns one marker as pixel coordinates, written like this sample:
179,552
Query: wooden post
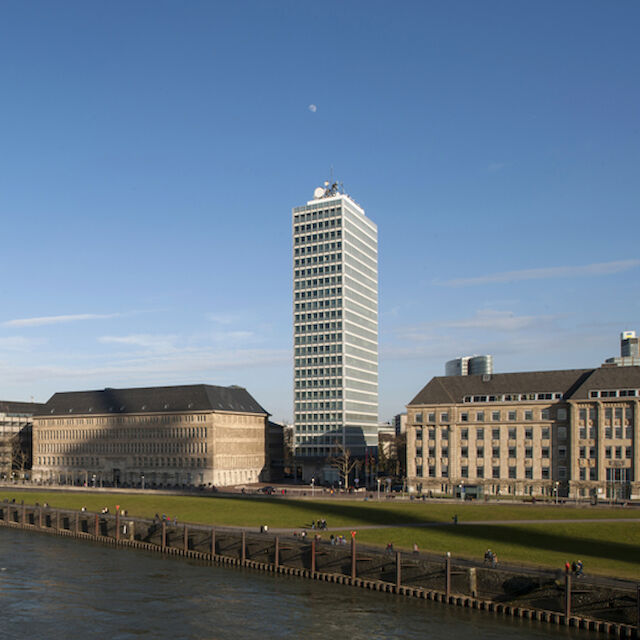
277,563
244,547
24,514
398,570
40,517
164,534
567,598
117,525
313,556
353,557
97,525
186,538
57,521
77,522
448,574
213,542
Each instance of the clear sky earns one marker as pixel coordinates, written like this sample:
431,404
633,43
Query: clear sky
151,152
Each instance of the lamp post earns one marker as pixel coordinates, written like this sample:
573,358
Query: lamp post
378,479
313,487
142,481
557,484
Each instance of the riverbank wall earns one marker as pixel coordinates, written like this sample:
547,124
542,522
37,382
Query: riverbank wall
558,600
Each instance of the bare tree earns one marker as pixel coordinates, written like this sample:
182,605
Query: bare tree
343,463
19,454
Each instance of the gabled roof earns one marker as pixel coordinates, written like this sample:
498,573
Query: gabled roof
453,389
194,397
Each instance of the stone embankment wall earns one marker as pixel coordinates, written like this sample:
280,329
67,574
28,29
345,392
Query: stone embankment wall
534,597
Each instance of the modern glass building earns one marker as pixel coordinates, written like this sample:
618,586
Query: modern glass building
335,324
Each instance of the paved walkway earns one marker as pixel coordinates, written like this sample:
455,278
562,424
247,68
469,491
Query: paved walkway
460,523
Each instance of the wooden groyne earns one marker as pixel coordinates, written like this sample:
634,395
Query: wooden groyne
415,576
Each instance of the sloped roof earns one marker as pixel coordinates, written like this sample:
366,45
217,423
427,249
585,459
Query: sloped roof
195,397
453,389
609,378
7,406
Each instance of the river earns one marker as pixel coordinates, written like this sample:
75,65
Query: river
54,588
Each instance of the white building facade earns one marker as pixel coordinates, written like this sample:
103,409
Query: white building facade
335,323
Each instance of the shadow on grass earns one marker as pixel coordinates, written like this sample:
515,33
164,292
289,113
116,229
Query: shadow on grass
498,533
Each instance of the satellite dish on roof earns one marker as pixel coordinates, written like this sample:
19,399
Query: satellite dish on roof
318,192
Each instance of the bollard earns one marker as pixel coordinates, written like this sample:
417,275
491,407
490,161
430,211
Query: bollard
243,553
117,525
277,557
57,521
164,534
24,514
313,556
77,527
398,570
97,527
447,566
40,517
567,598
213,542
186,538
353,556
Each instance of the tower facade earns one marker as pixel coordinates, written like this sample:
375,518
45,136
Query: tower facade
335,325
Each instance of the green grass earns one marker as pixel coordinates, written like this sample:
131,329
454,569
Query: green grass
605,547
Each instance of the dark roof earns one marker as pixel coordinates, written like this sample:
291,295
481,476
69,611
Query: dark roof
20,407
194,397
453,389
574,384
609,378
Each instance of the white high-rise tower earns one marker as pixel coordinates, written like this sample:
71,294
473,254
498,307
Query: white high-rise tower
335,323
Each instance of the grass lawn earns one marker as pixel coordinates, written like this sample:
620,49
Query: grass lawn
608,548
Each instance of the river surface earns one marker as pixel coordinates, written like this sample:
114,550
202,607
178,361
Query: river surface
54,588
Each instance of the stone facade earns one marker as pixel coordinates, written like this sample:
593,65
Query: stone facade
552,433
196,435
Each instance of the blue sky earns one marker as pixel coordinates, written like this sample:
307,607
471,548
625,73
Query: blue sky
151,152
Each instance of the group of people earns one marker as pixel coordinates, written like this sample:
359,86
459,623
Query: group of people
319,524
337,540
165,518
490,558
575,567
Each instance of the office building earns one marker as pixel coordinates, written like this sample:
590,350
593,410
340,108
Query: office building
16,422
469,366
179,436
629,351
400,423
335,323
569,433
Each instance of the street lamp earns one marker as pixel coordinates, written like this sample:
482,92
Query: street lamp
142,480
378,479
460,488
556,489
313,486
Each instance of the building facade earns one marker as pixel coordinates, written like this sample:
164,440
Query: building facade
335,325
569,433
629,351
16,422
182,436
469,366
